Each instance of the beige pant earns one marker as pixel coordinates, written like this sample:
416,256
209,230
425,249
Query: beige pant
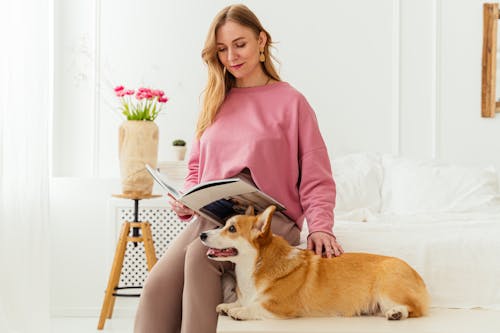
184,287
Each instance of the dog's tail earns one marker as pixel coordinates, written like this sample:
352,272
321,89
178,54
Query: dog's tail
410,291
417,298
418,304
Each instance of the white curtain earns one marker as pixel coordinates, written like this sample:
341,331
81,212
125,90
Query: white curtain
26,41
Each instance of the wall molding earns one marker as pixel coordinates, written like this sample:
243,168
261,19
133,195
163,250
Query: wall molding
96,93
396,78
436,99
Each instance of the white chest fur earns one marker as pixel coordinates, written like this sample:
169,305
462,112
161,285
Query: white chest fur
246,282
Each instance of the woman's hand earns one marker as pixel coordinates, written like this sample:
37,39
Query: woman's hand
324,243
182,211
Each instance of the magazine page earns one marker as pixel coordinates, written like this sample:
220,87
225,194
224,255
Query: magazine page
222,209
162,182
220,199
198,199
227,199
203,185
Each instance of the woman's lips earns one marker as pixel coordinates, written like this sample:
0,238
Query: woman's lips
236,67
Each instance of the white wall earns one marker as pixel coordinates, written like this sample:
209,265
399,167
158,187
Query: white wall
383,75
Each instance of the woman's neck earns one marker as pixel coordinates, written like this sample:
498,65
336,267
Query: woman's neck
255,81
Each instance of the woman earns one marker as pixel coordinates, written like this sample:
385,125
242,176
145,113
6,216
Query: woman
254,124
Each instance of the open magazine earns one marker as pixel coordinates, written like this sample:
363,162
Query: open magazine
218,200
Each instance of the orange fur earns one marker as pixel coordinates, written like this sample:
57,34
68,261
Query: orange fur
290,282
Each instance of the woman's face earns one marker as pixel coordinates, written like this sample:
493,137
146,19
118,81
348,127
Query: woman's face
238,50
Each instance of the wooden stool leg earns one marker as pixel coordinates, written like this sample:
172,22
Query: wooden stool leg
111,307
114,277
149,248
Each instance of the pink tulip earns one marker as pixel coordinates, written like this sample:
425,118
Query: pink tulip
142,94
158,93
144,89
135,110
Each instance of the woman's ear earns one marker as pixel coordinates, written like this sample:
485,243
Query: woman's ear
262,40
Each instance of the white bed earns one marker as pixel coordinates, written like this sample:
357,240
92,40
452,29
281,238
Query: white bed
443,219
458,258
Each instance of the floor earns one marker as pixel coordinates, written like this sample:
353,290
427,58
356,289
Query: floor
438,321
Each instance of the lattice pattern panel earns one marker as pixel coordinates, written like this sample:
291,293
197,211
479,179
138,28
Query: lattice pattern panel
165,226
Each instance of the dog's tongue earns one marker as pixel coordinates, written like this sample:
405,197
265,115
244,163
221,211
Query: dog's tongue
221,252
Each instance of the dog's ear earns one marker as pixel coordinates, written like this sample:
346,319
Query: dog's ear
263,223
250,211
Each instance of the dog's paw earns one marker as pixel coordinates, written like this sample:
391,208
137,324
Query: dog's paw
394,315
239,313
221,312
397,313
223,308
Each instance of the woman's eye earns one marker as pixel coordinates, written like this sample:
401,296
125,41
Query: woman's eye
221,50
232,229
241,45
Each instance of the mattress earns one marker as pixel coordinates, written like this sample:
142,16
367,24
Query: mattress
458,255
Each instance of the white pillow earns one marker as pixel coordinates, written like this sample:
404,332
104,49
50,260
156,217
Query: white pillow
358,178
412,186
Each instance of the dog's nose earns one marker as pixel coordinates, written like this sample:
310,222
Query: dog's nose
203,236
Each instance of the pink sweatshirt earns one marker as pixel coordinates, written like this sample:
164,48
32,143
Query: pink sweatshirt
272,131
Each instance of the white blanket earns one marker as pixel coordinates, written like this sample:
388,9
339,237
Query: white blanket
458,255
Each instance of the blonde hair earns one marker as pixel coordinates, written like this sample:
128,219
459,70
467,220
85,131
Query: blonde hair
219,80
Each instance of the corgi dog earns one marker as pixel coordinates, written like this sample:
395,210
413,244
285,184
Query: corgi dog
276,280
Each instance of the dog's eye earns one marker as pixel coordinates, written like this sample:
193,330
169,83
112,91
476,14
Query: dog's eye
232,229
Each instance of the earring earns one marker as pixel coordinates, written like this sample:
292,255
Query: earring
262,57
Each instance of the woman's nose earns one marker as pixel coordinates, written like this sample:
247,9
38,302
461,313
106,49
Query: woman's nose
232,54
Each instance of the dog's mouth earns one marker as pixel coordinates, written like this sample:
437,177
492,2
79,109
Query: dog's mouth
216,253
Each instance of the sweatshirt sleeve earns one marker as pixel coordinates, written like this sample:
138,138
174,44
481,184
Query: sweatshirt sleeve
192,177
316,187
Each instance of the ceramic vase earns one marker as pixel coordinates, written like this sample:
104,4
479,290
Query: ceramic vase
138,145
179,152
